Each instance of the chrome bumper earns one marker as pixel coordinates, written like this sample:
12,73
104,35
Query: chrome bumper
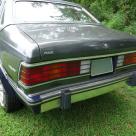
65,95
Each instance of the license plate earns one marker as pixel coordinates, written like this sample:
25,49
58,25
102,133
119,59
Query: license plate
101,66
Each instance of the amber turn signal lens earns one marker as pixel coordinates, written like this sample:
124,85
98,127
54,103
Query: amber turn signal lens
130,59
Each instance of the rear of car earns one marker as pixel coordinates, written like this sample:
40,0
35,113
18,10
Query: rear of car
64,55
63,83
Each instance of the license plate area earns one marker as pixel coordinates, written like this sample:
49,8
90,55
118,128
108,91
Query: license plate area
101,66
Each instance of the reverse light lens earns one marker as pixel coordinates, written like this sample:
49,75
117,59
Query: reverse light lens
130,59
120,61
32,76
85,67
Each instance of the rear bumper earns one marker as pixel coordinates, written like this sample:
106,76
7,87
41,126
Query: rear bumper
64,96
81,96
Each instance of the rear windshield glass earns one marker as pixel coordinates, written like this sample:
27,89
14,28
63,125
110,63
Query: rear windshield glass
50,12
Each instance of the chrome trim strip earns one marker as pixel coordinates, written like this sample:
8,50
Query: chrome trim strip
93,85
125,66
64,60
74,89
99,83
88,13
20,92
74,59
61,79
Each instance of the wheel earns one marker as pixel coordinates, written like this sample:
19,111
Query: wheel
9,101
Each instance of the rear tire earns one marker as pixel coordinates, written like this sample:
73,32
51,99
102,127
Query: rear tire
9,101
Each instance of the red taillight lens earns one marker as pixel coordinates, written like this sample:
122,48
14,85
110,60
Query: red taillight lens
130,59
31,76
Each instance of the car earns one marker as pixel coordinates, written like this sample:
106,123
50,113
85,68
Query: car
54,53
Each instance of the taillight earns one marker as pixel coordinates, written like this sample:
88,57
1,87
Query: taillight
130,59
32,76
127,59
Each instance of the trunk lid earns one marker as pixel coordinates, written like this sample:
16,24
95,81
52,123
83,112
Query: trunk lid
63,41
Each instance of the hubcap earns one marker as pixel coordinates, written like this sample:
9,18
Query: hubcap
1,95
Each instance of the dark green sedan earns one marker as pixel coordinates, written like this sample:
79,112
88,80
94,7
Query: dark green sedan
54,53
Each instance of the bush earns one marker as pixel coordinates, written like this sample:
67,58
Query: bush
131,28
117,14
117,21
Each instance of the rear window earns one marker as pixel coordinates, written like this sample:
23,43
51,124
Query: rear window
50,12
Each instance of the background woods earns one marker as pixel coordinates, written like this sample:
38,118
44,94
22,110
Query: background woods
117,14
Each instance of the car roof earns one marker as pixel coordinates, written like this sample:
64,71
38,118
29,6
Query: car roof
8,14
54,1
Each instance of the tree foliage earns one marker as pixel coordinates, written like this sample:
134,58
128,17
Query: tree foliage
118,14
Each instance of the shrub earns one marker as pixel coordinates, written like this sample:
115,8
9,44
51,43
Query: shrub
118,14
117,21
131,28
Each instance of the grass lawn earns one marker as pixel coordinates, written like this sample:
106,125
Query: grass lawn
112,114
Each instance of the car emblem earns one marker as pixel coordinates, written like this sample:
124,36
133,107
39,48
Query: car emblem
48,52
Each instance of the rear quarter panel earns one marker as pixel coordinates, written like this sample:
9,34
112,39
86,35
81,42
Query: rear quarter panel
15,47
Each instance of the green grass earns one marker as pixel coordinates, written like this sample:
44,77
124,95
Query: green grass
112,114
